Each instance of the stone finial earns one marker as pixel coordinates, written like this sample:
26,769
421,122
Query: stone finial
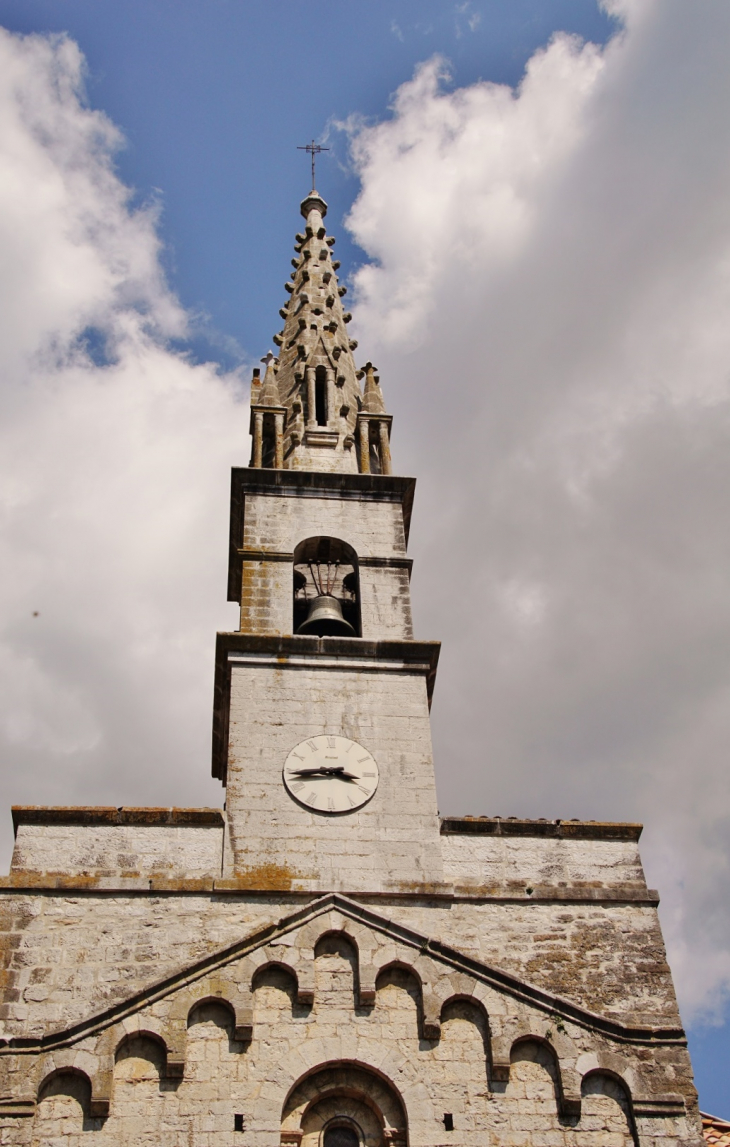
269,395
372,399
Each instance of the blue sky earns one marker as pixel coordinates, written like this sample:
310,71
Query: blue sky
212,100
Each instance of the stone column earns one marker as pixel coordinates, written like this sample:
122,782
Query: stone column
331,405
279,442
386,462
311,397
258,438
363,428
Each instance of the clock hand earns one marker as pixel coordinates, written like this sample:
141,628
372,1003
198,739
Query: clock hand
322,771
337,771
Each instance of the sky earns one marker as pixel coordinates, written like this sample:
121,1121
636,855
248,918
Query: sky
530,199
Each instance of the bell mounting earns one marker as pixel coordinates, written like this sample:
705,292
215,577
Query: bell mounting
324,577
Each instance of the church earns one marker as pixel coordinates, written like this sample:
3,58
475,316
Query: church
325,961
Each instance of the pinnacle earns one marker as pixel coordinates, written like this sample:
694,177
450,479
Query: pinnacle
372,400
270,390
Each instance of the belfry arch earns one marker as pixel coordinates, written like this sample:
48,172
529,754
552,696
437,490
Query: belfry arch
326,568
337,1104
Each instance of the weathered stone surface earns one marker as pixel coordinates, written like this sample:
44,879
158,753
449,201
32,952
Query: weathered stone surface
129,843
433,1039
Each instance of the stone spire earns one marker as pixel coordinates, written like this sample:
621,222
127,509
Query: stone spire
309,413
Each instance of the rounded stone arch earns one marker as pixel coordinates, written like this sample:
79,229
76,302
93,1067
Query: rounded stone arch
362,937
211,999
145,1027
330,934
610,1063
81,1061
344,1093
597,1076
64,1093
473,1002
304,994
429,1006
403,975
362,940
145,1034
538,1049
397,963
74,1077
479,1015
610,1085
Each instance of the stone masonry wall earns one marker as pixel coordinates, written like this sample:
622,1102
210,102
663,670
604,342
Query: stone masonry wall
332,1017
392,842
128,850
276,523
525,861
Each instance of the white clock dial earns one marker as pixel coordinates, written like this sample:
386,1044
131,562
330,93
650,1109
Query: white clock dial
330,774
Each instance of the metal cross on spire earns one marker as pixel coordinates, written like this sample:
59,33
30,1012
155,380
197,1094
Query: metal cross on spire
314,150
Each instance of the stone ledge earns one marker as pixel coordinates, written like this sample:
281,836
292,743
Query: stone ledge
109,883
100,815
513,826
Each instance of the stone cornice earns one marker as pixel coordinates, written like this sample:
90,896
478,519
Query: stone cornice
101,815
513,826
110,884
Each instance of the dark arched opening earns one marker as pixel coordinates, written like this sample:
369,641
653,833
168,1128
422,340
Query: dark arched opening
268,442
320,396
345,1097
341,1135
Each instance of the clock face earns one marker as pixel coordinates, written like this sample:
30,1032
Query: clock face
330,774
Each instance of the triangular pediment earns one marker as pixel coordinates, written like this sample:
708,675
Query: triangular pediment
431,960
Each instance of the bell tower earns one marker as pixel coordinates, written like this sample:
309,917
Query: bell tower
321,723
325,962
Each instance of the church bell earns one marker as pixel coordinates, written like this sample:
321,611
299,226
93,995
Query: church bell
325,618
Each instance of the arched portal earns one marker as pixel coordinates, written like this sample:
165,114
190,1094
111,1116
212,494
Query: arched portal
343,1105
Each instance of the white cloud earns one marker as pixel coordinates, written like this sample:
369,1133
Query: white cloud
114,469
548,305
